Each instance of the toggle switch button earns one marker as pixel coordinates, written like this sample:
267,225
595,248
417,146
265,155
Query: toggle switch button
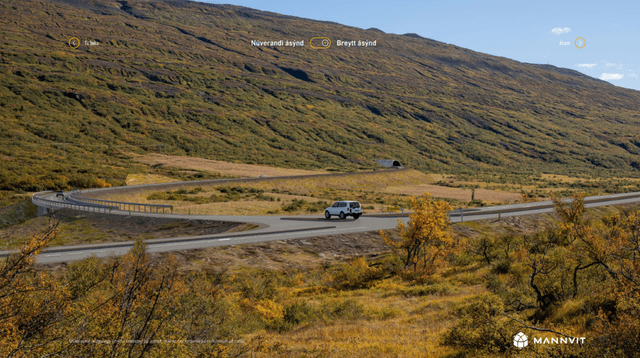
320,43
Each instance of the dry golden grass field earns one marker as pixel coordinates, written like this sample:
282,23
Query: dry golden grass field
491,196
214,166
379,191
138,179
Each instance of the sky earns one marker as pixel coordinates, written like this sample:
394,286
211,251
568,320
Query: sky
542,32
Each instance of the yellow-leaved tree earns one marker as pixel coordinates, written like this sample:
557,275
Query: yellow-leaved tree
31,303
426,240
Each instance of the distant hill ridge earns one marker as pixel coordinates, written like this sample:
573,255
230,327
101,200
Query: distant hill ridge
181,78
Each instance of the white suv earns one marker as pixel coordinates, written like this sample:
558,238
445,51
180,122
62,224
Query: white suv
344,209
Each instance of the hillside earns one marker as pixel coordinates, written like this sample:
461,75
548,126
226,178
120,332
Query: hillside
182,78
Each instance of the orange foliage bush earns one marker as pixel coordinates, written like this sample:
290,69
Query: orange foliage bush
426,240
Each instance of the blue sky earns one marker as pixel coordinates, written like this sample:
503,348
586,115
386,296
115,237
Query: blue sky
525,31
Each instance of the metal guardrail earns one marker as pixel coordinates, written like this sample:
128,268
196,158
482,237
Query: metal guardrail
97,205
123,205
547,204
67,205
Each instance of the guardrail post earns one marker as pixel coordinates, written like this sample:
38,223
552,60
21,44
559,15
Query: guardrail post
499,215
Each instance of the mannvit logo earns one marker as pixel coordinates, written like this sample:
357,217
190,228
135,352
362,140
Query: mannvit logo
520,340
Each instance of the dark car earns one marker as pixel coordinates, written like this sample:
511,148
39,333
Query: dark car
60,193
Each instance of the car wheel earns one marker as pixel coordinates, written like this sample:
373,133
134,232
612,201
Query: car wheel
356,216
327,215
342,216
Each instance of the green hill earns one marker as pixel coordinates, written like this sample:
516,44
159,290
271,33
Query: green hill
182,78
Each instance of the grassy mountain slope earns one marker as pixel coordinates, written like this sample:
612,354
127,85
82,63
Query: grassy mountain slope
181,78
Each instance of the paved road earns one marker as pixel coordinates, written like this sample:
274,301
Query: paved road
274,228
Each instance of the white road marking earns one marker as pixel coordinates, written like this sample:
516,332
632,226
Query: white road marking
224,239
75,253
52,255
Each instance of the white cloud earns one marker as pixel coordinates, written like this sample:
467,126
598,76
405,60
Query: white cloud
611,76
609,64
634,75
587,65
560,30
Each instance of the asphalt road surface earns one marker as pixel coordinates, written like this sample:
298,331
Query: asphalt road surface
274,228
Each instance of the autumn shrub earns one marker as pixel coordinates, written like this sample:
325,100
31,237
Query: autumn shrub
316,207
501,266
332,309
295,205
20,211
86,181
83,276
477,202
426,242
266,309
259,286
462,259
382,313
357,273
9,197
442,288
617,328
481,327
295,313
494,284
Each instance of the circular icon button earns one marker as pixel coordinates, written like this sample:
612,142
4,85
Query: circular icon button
74,42
580,42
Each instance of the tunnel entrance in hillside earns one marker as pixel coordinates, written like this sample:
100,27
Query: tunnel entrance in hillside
389,163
